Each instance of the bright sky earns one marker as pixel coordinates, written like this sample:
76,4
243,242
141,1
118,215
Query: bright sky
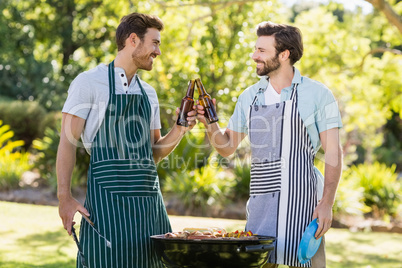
349,4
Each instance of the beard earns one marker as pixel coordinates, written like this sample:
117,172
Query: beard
270,65
141,59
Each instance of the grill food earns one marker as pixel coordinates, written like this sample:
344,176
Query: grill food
210,233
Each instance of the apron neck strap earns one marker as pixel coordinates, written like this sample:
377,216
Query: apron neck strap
292,96
260,91
112,83
139,83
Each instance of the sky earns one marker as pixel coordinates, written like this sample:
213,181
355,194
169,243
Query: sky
348,4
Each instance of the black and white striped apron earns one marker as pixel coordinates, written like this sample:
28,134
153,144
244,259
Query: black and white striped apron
123,195
283,187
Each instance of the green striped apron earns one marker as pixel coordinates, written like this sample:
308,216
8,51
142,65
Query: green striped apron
123,194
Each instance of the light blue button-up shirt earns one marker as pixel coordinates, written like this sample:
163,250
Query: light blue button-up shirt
316,104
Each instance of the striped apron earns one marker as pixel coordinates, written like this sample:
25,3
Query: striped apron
283,186
123,194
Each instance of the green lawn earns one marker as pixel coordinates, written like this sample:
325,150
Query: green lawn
32,236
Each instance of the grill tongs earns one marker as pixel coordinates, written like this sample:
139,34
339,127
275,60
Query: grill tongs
83,261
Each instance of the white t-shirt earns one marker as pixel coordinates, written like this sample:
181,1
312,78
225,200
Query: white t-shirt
271,96
88,97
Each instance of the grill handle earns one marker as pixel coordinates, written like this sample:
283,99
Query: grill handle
259,248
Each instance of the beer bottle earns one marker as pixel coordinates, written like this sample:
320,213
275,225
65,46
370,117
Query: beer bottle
206,101
187,104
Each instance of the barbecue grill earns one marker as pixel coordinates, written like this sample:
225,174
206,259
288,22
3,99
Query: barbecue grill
215,252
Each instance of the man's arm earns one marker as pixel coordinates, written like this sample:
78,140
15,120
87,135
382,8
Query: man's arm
333,169
71,129
225,143
163,146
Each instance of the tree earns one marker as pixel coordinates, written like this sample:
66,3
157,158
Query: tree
338,46
50,42
21,72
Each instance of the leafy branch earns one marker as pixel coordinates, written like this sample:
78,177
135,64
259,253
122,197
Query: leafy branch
379,50
389,12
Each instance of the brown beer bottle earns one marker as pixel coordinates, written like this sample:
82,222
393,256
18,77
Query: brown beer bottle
187,104
206,101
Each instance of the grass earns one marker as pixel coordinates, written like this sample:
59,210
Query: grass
32,237
363,249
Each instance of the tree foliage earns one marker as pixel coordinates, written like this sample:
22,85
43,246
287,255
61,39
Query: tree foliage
46,43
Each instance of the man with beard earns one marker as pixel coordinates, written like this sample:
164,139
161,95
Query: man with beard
117,116
287,118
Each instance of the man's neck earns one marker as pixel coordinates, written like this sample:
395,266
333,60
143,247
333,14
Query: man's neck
281,78
124,61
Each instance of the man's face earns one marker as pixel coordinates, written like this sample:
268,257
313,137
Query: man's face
265,55
148,48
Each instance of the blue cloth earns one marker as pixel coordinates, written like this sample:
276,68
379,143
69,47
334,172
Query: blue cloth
316,103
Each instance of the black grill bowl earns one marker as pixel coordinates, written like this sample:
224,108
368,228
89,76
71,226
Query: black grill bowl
207,253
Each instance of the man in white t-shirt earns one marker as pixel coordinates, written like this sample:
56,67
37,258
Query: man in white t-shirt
117,116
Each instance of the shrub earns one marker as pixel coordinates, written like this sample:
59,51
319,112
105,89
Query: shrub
25,118
191,153
13,162
200,189
349,196
242,181
51,120
381,188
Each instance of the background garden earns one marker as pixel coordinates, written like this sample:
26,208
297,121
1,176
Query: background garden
356,50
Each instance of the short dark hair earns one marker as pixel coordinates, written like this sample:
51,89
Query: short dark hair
286,38
136,23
